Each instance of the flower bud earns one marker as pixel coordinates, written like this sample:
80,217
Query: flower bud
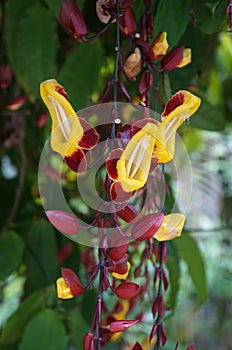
173,58
63,221
16,103
72,281
127,22
72,20
146,227
127,290
120,326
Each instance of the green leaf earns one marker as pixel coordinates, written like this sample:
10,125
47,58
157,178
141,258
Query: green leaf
172,17
37,47
77,322
41,255
173,265
208,117
191,254
15,325
55,6
210,15
44,331
13,15
79,74
11,252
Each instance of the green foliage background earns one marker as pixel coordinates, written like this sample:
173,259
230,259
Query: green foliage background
37,48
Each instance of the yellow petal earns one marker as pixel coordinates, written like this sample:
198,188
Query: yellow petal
179,108
124,276
66,127
186,58
134,165
161,45
171,227
63,291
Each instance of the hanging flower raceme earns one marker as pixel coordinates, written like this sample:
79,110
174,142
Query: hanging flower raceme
129,169
71,136
179,108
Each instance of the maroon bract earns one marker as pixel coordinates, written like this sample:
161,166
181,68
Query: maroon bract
127,22
72,19
127,290
120,326
147,226
172,59
63,221
72,281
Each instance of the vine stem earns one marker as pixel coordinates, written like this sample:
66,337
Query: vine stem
159,293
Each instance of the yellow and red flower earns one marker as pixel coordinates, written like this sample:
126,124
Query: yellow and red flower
129,168
171,227
71,136
159,46
69,285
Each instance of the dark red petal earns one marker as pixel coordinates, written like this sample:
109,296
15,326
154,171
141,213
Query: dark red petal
120,326
72,281
88,340
172,59
190,347
147,226
111,163
128,213
118,195
137,126
145,83
127,290
127,22
77,161
153,331
72,20
116,253
158,306
121,269
63,221
163,335
174,102
90,137
6,76
64,252
125,133
137,346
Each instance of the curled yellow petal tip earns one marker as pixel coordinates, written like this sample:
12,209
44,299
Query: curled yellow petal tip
187,58
171,227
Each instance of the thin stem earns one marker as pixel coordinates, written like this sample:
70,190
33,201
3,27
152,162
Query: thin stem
19,189
98,34
159,293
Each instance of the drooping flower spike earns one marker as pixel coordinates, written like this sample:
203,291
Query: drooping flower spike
71,136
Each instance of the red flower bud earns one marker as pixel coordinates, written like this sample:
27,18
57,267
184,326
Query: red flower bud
128,213
88,341
116,253
126,290
190,347
64,252
120,326
6,76
172,59
72,281
16,103
153,331
145,84
63,221
42,120
137,346
163,334
158,306
72,20
127,22
146,227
